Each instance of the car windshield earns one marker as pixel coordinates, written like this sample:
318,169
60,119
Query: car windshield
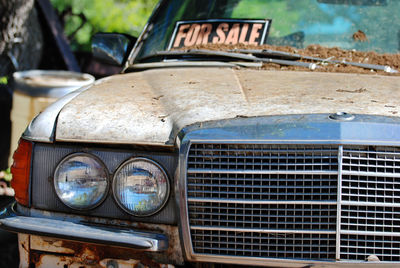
355,25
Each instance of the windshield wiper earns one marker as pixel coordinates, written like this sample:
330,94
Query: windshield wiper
294,56
233,55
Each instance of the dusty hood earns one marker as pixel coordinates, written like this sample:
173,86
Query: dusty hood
152,106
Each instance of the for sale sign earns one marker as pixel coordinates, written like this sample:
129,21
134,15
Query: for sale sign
221,31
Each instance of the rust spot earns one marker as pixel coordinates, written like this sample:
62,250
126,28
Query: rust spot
390,106
157,98
91,253
326,98
24,247
360,36
360,90
35,258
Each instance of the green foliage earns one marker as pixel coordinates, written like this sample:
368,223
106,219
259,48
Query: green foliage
6,175
277,10
3,80
86,17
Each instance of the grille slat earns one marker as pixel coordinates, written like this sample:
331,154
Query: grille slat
252,230
376,174
261,172
255,202
281,201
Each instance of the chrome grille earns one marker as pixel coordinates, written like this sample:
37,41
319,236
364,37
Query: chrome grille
370,211
282,201
264,245
263,216
359,247
294,187
263,200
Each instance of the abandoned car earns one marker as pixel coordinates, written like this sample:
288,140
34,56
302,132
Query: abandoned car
241,132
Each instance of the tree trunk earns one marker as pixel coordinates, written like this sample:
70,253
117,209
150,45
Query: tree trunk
21,39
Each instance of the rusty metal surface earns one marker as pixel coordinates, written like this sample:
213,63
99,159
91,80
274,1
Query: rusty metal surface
116,235
51,252
173,254
24,249
154,105
49,244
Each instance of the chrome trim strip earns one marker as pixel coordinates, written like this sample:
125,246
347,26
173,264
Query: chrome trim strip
182,201
265,231
366,181
372,189
339,201
262,172
78,231
303,142
261,202
370,204
371,174
392,234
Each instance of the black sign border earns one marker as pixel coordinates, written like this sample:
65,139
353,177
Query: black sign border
264,36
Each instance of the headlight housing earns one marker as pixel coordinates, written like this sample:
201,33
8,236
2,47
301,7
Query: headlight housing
141,187
81,181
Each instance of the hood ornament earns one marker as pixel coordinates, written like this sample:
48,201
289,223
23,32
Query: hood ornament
341,116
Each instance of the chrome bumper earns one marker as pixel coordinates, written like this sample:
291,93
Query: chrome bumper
79,231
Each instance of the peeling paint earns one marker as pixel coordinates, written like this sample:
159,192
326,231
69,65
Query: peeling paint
163,101
92,254
24,249
48,244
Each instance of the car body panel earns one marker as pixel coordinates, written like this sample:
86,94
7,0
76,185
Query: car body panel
152,106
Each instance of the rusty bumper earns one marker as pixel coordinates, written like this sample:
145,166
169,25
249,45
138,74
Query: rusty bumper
10,220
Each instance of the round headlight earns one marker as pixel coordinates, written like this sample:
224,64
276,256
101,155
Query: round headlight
141,187
81,181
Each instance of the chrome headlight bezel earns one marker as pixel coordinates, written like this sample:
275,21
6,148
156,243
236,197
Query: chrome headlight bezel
106,173
114,188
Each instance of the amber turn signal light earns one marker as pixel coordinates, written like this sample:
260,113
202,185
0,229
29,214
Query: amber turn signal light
20,170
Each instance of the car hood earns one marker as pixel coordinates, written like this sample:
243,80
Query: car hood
152,106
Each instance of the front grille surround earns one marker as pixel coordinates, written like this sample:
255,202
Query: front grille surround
335,178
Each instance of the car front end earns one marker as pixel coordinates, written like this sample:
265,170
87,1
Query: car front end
208,158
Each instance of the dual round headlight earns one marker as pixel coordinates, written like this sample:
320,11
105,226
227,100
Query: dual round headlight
140,185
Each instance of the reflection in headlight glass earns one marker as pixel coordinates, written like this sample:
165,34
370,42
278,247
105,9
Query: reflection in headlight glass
81,181
141,187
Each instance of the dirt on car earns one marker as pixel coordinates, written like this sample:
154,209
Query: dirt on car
370,57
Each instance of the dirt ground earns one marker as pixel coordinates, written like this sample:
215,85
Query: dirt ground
392,60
